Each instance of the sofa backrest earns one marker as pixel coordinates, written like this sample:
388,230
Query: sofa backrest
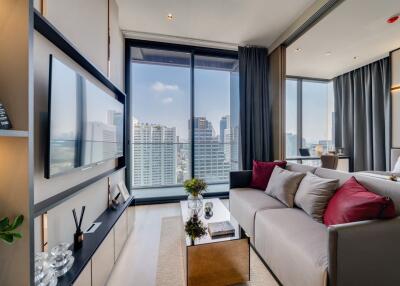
382,187
378,186
300,168
333,174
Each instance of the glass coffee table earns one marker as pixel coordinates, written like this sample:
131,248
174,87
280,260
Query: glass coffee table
216,261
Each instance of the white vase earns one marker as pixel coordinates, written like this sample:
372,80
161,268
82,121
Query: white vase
195,204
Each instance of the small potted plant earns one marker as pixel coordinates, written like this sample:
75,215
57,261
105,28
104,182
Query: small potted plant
195,228
195,188
7,230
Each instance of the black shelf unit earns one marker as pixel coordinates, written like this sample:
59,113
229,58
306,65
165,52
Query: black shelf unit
48,204
45,28
108,217
91,242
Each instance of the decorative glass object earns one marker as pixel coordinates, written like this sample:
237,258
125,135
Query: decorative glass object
208,210
44,274
195,204
61,259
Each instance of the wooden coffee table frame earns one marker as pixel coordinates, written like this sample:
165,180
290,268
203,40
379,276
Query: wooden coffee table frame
223,262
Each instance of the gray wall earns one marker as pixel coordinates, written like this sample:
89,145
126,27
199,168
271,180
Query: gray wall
85,25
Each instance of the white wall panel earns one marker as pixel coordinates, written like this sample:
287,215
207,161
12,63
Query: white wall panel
396,119
116,48
84,23
396,68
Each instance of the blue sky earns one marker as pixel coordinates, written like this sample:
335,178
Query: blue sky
161,95
317,110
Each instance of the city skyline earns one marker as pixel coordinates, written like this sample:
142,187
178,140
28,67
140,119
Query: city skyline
159,158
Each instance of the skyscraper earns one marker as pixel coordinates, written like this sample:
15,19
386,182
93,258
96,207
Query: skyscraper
154,155
223,124
209,154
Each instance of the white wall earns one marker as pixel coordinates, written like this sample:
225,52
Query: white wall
396,99
84,24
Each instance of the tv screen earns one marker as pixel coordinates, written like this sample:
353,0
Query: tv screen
85,122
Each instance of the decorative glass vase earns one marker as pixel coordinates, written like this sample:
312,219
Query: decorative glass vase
195,204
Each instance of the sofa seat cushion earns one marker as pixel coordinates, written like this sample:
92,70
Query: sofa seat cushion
293,245
244,203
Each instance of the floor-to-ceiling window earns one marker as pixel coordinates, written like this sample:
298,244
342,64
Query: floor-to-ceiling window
184,118
309,115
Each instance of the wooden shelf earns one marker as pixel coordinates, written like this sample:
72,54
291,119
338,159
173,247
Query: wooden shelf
44,206
92,241
13,133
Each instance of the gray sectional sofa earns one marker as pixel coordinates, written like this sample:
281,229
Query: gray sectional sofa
303,252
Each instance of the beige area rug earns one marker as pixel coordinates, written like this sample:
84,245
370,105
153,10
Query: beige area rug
170,268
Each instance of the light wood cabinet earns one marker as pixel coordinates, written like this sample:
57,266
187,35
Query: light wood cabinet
85,278
120,233
103,261
131,219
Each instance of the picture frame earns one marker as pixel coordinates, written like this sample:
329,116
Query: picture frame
124,191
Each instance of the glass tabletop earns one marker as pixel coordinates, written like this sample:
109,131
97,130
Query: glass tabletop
220,214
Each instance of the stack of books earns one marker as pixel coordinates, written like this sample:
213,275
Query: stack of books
4,121
223,228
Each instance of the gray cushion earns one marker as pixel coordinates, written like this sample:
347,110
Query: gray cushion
245,202
283,185
314,194
293,245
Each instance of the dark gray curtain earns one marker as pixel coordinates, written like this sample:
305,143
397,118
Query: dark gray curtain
255,130
362,110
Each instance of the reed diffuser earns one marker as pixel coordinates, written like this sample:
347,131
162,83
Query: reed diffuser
78,235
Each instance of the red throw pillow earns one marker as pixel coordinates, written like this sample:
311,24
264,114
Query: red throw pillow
353,202
262,173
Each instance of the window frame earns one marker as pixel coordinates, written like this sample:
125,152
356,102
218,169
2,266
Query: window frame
194,51
299,116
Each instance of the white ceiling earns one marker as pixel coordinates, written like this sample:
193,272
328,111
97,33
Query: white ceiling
356,28
234,22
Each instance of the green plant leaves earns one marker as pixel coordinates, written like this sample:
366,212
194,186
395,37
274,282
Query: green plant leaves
195,186
4,224
6,237
7,233
17,222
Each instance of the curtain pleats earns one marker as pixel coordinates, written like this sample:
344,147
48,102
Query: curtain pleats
255,129
362,115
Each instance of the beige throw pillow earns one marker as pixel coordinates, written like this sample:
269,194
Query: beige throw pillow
283,185
314,194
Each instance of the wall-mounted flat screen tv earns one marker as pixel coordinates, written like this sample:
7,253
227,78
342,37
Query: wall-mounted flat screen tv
86,124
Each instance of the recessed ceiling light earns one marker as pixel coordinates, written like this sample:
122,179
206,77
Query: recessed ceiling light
298,50
169,16
328,53
355,57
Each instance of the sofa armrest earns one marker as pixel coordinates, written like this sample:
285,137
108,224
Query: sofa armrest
240,179
364,253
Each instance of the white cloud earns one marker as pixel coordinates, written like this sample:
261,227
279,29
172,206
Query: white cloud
167,100
161,87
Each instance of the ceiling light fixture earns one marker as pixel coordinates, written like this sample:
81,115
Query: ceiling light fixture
169,16
392,19
328,53
355,57
298,50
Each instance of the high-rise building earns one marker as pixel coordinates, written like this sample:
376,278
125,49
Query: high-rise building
234,118
209,154
154,155
223,125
